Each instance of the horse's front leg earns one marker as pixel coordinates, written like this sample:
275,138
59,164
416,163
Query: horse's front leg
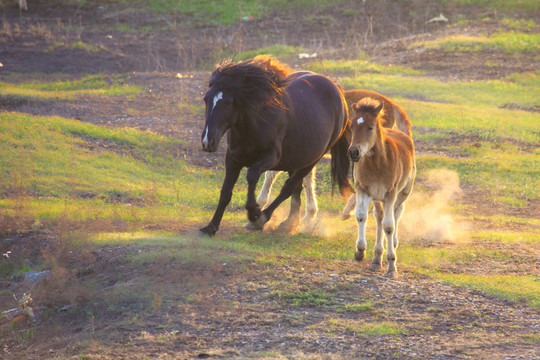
361,212
232,171
253,209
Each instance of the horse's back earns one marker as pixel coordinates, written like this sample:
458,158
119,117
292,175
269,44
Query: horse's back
316,119
317,98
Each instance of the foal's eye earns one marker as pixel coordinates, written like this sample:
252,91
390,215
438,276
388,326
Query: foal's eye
370,128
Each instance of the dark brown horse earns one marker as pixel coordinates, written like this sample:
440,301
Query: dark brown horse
276,120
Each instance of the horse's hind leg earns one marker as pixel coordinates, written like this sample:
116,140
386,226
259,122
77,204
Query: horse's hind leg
311,201
290,226
378,212
291,185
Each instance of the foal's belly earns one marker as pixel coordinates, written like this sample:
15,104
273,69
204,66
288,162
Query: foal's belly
377,191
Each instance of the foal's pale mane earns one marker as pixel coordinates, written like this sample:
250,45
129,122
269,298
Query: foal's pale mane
367,105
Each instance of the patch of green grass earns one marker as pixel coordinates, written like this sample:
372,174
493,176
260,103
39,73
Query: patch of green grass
509,42
229,11
512,175
520,24
515,288
357,308
316,298
278,51
91,84
531,5
357,66
507,237
361,328
492,93
55,168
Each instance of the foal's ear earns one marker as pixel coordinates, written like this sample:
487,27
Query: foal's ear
355,107
379,108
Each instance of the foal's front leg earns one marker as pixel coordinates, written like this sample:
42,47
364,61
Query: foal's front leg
361,212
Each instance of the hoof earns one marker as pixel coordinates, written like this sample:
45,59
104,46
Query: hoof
257,224
207,231
251,227
392,275
375,267
254,215
359,255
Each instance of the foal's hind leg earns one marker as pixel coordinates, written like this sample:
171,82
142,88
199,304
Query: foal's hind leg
389,227
311,201
378,212
269,178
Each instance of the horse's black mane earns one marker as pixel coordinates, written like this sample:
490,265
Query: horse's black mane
253,83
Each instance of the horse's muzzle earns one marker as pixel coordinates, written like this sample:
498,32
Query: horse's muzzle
209,147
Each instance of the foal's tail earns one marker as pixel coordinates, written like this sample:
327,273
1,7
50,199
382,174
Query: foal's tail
341,164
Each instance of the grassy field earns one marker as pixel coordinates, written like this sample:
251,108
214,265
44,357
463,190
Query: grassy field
119,208
64,170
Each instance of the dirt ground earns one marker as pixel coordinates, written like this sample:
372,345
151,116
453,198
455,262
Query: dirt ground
238,309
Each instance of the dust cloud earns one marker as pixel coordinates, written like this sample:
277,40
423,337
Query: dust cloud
427,215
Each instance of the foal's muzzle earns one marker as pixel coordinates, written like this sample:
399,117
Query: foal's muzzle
354,154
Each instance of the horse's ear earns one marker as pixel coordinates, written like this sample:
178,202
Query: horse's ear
379,108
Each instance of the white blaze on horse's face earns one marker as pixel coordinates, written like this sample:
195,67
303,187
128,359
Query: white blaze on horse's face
218,97
205,139
219,117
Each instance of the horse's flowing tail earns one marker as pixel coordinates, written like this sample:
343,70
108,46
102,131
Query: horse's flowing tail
340,163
